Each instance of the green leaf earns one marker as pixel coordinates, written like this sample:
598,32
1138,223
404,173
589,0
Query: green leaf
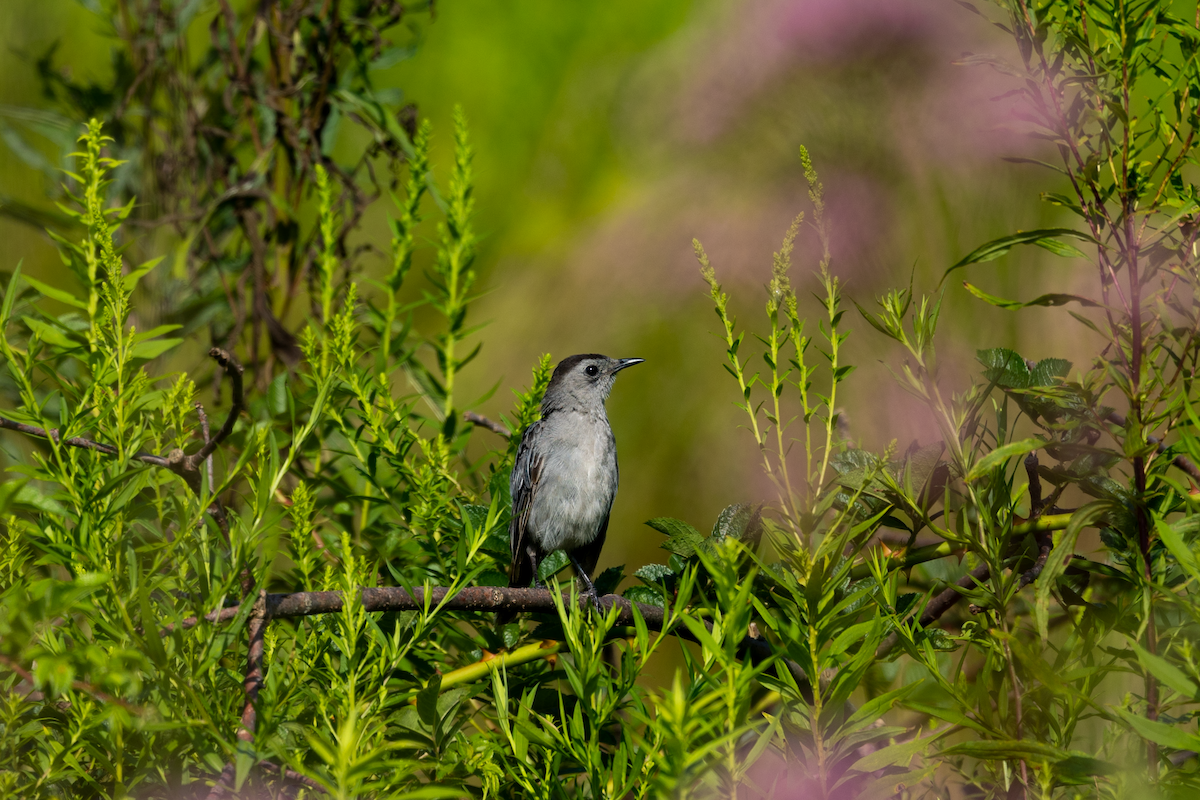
1004,367
895,755
154,332
1001,454
732,522
1165,671
1060,248
998,247
1082,770
10,295
130,281
56,294
1046,370
652,573
427,700
1008,749
551,565
49,333
277,400
29,495
682,539
9,491
1056,562
646,595
1159,732
154,348
1179,549
1053,299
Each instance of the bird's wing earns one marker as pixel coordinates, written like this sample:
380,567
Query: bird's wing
523,484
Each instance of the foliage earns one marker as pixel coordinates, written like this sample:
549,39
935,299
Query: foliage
139,653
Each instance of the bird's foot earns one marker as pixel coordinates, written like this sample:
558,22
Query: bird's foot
592,595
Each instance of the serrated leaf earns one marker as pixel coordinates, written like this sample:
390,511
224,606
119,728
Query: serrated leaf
1046,370
652,573
682,539
606,582
732,522
646,595
1004,367
551,565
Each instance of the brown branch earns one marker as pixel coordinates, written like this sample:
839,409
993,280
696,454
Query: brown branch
234,370
487,599
259,617
78,441
481,421
218,616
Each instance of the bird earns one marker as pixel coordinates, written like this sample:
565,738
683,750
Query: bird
565,476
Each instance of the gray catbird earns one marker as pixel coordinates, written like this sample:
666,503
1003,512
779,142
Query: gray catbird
565,477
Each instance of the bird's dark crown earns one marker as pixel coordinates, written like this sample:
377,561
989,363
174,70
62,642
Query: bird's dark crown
569,363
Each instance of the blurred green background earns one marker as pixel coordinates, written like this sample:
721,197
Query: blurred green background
609,134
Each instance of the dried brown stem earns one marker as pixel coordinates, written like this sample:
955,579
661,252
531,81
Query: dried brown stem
483,422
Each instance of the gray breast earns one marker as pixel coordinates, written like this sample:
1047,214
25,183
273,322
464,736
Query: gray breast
578,481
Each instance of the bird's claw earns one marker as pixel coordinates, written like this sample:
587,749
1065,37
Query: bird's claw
594,597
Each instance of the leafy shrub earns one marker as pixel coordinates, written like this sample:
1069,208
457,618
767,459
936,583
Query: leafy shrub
303,604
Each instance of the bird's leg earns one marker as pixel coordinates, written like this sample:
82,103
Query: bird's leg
587,581
535,560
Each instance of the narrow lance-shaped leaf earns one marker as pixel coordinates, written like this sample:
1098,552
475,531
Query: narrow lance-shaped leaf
998,247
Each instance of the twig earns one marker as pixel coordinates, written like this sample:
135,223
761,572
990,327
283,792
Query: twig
78,441
483,422
208,462
1045,541
183,465
1183,462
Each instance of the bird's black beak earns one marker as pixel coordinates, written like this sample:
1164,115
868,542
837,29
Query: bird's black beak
622,363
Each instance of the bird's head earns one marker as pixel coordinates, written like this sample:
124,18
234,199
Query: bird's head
584,379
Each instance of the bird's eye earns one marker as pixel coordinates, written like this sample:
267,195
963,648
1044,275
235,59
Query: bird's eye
592,370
